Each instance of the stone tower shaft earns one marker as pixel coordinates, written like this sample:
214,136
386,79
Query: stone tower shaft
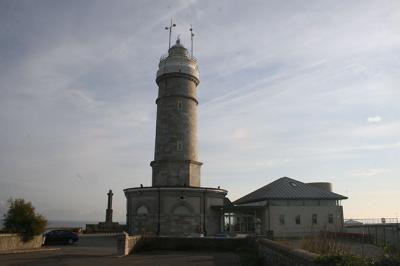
175,156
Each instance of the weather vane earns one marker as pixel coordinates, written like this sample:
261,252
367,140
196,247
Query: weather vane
191,39
170,32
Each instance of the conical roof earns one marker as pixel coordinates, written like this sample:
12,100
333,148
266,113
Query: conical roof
178,49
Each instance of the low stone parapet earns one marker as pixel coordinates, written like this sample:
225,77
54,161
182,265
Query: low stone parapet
193,243
104,228
9,242
127,244
274,253
270,252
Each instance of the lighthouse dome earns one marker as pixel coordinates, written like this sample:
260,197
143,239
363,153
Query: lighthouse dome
178,60
178,49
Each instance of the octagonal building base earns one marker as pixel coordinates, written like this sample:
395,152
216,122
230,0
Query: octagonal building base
174,211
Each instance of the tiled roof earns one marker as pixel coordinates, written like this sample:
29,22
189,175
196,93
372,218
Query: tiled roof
286,188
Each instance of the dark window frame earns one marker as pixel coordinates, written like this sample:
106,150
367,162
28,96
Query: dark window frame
297,219
314,218
330,218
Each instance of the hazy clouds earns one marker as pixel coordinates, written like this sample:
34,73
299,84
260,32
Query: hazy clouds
305,89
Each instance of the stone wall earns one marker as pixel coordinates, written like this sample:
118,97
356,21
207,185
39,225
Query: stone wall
274,253
103,227
127,244
14,242
130,244
270,252
194,243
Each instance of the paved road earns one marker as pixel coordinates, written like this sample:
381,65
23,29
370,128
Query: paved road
101,250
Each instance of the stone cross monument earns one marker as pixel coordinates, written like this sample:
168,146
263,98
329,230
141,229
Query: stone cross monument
108,225
175,204
109,211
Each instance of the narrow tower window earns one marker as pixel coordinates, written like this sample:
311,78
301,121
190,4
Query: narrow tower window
179,145
179,105
297,218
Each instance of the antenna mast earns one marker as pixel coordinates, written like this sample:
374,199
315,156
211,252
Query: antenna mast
191,39
170,32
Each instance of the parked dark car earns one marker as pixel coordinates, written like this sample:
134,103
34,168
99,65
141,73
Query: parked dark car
60,236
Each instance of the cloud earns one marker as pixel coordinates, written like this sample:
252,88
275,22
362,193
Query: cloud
239,134
370,172
279,81
374,119
273,162
367,147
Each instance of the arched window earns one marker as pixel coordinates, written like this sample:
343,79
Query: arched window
142,210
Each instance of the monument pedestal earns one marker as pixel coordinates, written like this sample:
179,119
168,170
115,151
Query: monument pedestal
108,225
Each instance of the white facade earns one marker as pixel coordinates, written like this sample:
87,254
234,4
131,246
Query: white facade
297,221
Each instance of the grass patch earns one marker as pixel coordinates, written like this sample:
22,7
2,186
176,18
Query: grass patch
324,245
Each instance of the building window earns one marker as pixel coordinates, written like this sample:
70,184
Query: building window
330,218
179,105
179,145
281,219
314,219
297,219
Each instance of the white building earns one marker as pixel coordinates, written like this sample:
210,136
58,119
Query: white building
286,208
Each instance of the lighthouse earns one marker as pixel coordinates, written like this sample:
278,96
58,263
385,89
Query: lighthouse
175,204
175,156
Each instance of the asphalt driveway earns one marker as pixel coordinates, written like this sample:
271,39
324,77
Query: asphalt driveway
101,250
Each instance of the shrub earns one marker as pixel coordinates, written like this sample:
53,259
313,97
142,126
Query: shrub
343,260
324,245
22,219
349,260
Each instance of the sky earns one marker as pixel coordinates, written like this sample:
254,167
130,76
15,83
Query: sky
304,89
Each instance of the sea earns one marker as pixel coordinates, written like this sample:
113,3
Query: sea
64,223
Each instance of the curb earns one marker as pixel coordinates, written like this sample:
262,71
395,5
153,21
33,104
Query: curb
7,252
